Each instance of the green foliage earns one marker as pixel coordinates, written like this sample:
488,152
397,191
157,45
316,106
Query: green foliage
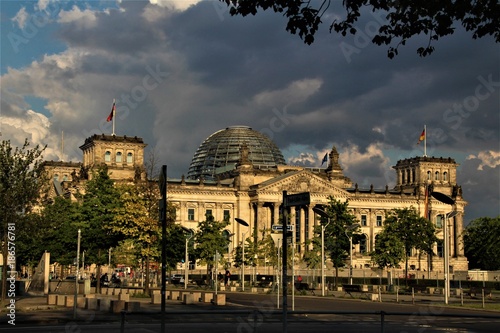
389,250
209,239
341,226
312,257
21,172
98,209
403,231
482,243
176,246
398,21
133,220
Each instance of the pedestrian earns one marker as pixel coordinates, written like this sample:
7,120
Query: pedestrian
299,279
227,278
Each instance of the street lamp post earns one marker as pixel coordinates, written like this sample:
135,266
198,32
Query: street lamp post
322,213
351,227
243,223
186,256
447,200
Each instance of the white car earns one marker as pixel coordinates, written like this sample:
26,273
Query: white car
177,278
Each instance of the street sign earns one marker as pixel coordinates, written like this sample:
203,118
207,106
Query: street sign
299,199
162,181
279,227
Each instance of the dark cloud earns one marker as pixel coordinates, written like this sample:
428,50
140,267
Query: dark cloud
224,70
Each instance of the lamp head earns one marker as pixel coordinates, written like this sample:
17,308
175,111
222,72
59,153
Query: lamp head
443,198
240,221
320,212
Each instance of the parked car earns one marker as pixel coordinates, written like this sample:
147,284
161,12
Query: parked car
177,279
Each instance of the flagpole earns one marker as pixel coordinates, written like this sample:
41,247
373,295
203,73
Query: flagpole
425,140
114,116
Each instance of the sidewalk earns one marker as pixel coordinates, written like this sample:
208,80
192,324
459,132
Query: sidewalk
34,309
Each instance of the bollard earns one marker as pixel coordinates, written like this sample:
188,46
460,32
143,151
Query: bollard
461,297
122,325
412,295
482,296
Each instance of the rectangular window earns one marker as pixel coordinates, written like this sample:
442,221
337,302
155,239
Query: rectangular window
190,214
439,221
227,216
208,213
363,220
379,221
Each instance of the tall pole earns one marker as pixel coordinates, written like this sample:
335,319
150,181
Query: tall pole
245,224
447,200
76,274
446,261
285,261
425,140
186,264
322,260
243,262
350,259
163,216
293,268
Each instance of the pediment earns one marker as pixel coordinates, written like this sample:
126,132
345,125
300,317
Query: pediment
299,181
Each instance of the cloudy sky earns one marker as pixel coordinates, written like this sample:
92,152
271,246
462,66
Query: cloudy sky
181,70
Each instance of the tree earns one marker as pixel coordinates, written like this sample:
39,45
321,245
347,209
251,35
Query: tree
133,220
98,209
403,231
482,243
209,239
401,19
21,181
339,227
55,231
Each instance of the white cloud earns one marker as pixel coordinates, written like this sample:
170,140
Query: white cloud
33,125
42,4
488,158
352,156
21,18
296,91
175,4
84,19
303,159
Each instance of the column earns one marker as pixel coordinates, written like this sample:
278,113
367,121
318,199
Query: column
276,214
312,223
301,211
458,237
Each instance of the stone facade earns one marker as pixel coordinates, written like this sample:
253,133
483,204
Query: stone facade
254,193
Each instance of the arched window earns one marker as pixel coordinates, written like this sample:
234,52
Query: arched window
362,245
445,176
436,175
429,175
65,178
119,157
56,177
107,156
130,158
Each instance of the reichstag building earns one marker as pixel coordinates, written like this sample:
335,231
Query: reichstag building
238,172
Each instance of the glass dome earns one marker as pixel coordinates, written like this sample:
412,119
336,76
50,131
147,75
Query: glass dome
221,151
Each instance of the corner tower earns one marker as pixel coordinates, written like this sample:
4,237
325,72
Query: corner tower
124,156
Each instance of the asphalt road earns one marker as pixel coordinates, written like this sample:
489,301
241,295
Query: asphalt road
259,313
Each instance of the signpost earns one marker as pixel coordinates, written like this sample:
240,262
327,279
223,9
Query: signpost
299,199
162,183
279,227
